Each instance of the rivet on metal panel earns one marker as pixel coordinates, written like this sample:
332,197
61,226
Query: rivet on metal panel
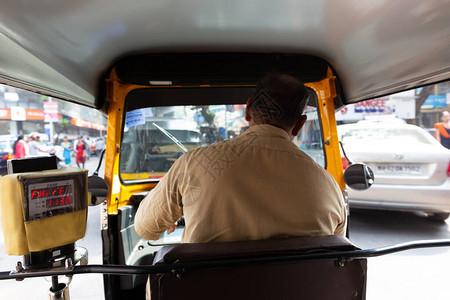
19,269
178,273
104,216
340,262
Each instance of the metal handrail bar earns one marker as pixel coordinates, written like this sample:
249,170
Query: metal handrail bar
339,256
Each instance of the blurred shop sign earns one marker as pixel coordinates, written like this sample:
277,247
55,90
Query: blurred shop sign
402,107
18,113
435,101
35,114
51,112
13,97
5,113
87,124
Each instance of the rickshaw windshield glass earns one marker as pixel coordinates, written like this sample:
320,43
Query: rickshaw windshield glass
155,137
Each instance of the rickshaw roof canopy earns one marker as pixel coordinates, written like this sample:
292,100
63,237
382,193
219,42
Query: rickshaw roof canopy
63,48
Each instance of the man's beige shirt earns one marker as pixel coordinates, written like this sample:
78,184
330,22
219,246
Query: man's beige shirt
258,185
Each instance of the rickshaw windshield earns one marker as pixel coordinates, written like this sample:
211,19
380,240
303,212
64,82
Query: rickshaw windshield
154,137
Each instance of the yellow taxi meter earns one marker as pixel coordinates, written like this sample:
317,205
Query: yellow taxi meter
43,210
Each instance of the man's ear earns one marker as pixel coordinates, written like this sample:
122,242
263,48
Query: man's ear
298,125
248,113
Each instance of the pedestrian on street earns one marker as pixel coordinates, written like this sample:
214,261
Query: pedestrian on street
67,154
34,144
88,147
20,148
81,153
443,130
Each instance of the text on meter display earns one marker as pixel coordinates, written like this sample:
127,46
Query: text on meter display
50,198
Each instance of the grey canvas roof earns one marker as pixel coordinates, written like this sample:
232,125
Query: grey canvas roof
62,48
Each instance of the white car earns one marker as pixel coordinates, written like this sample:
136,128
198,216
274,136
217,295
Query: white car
412,170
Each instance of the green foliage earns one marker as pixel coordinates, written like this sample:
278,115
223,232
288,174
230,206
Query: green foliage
64,123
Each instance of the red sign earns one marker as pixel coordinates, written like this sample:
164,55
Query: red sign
34,114
5,114
87,124
30,114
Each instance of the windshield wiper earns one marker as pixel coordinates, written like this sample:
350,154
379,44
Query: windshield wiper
170,136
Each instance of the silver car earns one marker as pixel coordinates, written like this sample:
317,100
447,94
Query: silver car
412,170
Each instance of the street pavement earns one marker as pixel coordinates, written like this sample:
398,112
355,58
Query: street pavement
409,275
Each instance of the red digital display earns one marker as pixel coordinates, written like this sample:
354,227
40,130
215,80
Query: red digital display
48,197
50,192
58,202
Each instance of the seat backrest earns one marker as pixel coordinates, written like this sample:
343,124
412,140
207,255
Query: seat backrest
319,279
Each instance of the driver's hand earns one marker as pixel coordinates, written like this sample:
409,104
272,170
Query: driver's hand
172,228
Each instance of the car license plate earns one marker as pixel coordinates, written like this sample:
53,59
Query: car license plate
398,169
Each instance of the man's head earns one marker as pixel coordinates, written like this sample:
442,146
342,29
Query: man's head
445,116
279,100
32,136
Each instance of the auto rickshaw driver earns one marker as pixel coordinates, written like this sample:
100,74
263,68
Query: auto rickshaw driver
202,184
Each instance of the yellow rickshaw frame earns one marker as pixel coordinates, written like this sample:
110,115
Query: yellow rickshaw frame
117,91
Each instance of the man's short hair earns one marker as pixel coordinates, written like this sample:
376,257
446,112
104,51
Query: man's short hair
278,100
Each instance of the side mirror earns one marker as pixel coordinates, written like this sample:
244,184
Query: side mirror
99,189
359,176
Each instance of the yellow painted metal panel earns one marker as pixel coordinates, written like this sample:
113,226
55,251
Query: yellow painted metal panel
117,91
326,92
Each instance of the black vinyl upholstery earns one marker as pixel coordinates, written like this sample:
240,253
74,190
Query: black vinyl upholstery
322,279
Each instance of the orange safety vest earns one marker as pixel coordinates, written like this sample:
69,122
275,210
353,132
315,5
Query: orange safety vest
440,127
